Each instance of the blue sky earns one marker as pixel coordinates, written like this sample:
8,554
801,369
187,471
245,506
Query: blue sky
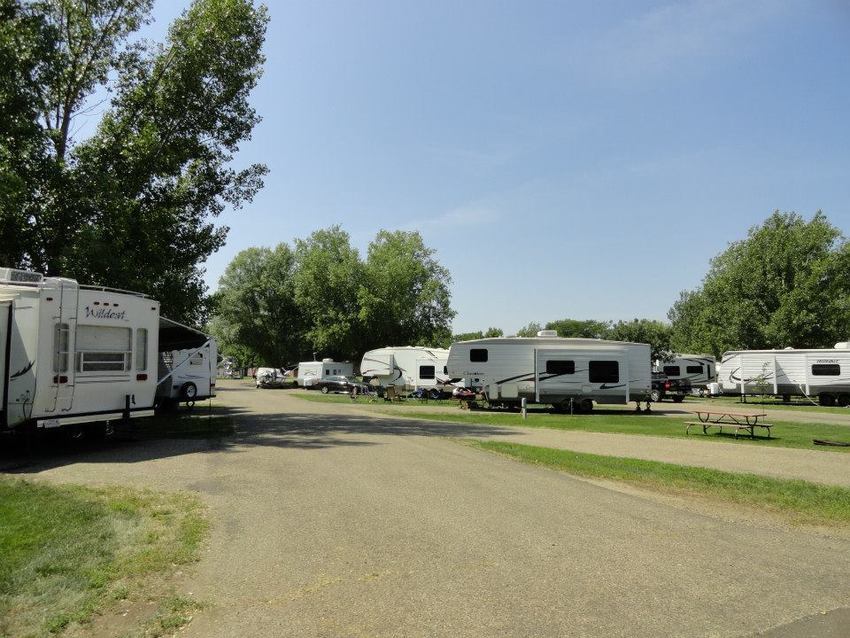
579,160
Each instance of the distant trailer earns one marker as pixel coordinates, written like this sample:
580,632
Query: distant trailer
550,369
73,355
311,372
187,366
407,368
700,370
819,373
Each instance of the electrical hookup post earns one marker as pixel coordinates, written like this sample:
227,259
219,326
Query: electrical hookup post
524,404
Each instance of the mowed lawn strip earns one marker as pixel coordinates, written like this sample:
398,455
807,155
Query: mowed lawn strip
770,403
784,434
66,552
801,501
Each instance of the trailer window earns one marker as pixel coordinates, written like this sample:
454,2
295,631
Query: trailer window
142,349
197,359
672,371
478,355
604,371
61,334
560,367
694,369
427,372
103,349
826,369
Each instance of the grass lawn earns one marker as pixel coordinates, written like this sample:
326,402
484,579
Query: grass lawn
69,552
770,402
800,501
785,434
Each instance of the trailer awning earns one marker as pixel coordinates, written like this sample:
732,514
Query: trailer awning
176,336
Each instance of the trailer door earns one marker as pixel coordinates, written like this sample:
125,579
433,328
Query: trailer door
5,340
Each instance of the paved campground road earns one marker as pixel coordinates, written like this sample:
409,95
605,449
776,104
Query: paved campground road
328,521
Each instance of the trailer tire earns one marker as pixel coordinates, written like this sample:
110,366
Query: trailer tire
434,394
844,400
188,391
827,399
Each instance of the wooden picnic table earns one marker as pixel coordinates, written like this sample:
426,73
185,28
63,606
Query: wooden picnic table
737,420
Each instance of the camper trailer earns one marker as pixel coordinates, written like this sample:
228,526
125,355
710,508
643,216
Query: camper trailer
73,355
823,373
551,369
407,368
188,374
700,370
311,372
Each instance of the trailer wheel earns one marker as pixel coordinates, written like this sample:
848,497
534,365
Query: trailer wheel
434,394
655,396
188,391
844,400
585,405
827,400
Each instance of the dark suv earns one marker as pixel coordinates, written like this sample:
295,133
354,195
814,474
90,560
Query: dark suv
662,387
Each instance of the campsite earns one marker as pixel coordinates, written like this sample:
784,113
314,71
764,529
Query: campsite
424,319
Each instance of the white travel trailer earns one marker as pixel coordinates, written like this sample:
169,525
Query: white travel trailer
311,372
700,370
187,363
822,373
552,369
407,368
72,354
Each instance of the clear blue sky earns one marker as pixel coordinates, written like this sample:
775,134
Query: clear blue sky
564,159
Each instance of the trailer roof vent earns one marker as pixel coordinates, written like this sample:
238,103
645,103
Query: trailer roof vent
547,333
15,276
843,345
327,360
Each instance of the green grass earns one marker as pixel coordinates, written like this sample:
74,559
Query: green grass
318,397
770,402
800,501
784,434
67,552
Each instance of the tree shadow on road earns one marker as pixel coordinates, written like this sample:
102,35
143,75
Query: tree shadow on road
150,440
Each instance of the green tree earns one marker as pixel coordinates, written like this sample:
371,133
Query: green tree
656,333
327,280
478,334
256,317
787,284
530,330
133,205
404,295
581,328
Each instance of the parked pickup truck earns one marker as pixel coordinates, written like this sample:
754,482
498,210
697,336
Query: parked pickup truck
662,387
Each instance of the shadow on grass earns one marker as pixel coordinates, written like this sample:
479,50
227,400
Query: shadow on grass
222,429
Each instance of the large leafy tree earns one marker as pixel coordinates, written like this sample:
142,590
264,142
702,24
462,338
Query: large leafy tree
133,205
327,281
786,284
656,333
404,294
256,318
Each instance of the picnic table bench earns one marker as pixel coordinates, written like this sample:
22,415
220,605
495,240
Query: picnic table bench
737,420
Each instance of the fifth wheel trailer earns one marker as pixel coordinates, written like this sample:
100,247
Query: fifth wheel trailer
188,364
699,369
555,370
408,368
822,373
72,354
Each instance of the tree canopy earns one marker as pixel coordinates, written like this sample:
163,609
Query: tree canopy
786,284
133,205
279,306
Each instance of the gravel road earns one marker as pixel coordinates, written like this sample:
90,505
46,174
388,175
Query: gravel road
330,522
